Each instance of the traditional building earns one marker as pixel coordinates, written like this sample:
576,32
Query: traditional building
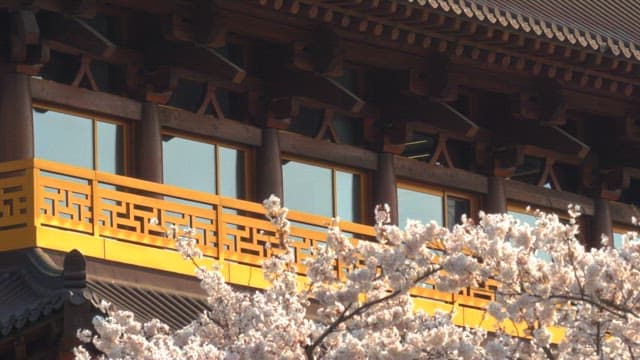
113,113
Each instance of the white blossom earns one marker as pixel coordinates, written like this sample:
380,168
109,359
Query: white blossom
366,312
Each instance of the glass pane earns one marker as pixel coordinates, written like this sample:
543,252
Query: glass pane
456,207
63,138
189,164
110,148
617,240
348,196
307,188
417,205
232,180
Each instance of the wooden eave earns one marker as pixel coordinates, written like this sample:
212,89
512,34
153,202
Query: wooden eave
483,44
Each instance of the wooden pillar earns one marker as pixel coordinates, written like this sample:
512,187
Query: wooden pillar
16,118
496,200
269,166
148,145
601,224
385,191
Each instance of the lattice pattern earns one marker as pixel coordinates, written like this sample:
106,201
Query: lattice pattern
128,217
124,212
66,204
14,203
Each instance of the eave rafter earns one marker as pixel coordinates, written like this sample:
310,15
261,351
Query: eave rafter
414,26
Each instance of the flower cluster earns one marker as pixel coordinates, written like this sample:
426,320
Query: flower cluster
364,309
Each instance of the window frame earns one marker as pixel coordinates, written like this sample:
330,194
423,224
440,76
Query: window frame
333,167
248,157
619,229
474,199
127,133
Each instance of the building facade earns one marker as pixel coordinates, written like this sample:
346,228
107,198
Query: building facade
114,113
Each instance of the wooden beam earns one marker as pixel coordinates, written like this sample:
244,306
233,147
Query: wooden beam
195,58
205,125
436,113
339,154
322,89
77,33
50,92
542,140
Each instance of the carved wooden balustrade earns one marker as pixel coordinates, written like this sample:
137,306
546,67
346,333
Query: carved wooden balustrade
61,207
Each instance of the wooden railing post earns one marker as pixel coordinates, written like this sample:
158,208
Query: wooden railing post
16,118
221,230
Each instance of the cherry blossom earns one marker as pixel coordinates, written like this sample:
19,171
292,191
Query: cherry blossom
590,295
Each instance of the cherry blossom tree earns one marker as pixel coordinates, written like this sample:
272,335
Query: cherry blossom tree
368,313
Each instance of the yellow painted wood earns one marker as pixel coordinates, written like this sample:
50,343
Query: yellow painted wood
14,239
154,258
114,223
65,241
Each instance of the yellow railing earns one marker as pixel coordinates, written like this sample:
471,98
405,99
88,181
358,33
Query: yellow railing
62,207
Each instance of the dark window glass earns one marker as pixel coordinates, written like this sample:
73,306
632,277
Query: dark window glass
189,164
349,130
307,122
420,206
456,207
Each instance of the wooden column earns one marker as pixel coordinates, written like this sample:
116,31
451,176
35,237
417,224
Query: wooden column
601,224
385,191
16,118
496,200
148,145
269,166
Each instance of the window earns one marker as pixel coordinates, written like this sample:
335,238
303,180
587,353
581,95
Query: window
203,166
425,204
618,233
81,141
322,190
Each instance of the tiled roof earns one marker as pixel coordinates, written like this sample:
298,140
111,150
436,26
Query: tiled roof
604,25
174,309
21,303
32,288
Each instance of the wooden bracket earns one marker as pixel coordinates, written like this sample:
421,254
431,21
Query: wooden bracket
441,150
322,54
210,98
320,90
549,174
25,44
327,126
544,104
82,8
200,22
281,112
85,70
